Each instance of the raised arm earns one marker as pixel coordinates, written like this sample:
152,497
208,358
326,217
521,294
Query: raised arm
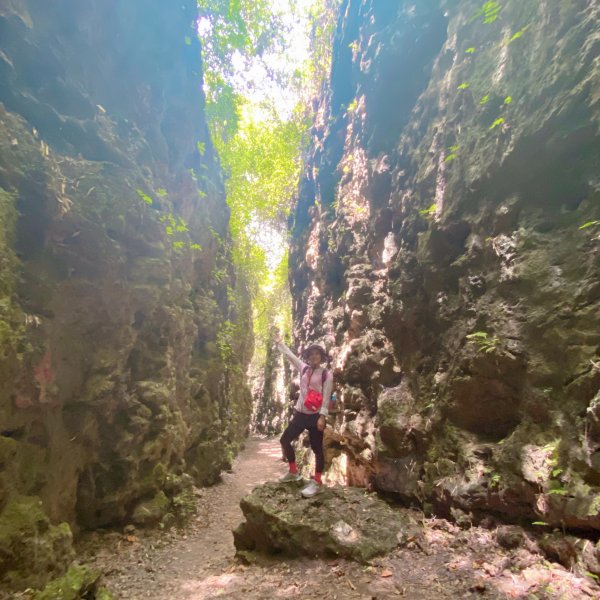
296,362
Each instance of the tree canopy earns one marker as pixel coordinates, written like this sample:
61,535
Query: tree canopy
258,84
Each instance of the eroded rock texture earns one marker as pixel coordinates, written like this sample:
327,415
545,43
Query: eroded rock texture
121,348
438,249
342,522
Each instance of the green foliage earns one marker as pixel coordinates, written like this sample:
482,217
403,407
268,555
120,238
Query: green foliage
517,35
428,212
144,197
222,107
483,341
225,336
262,165
485,99
272,308
452,154
322,19
237,27
173,224
471,50
177,231
498,122
495,480
464,86
590,224
508,100
259,149
242,29
489,12
219,275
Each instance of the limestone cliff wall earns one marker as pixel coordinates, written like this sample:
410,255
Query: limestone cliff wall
439,250
122,350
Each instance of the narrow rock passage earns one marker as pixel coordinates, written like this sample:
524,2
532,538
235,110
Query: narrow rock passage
195,563
199,563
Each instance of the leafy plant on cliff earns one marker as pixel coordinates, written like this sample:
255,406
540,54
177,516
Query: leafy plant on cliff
483,341
429,212
498,122
517,35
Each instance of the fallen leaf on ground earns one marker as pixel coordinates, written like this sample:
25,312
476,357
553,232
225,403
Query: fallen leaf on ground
386,573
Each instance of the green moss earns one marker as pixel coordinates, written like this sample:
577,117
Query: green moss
22,516
31,549
12,321
78,582
104,594
185,505
8,449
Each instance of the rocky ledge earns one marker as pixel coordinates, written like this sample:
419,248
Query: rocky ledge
344,522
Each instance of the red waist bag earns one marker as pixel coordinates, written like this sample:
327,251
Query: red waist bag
313,400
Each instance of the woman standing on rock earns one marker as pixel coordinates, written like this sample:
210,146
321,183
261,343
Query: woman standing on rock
309,412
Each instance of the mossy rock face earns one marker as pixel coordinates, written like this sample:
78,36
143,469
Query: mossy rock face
454,222
78,582
113,228
345,522
31,549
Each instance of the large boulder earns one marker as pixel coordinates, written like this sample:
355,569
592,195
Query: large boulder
345,522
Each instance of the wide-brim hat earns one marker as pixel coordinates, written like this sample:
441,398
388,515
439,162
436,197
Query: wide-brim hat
322,350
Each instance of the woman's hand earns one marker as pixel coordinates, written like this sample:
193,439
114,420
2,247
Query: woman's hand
321,423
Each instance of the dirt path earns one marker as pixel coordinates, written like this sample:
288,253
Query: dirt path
199,563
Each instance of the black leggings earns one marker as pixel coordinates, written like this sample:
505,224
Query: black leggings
298,424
